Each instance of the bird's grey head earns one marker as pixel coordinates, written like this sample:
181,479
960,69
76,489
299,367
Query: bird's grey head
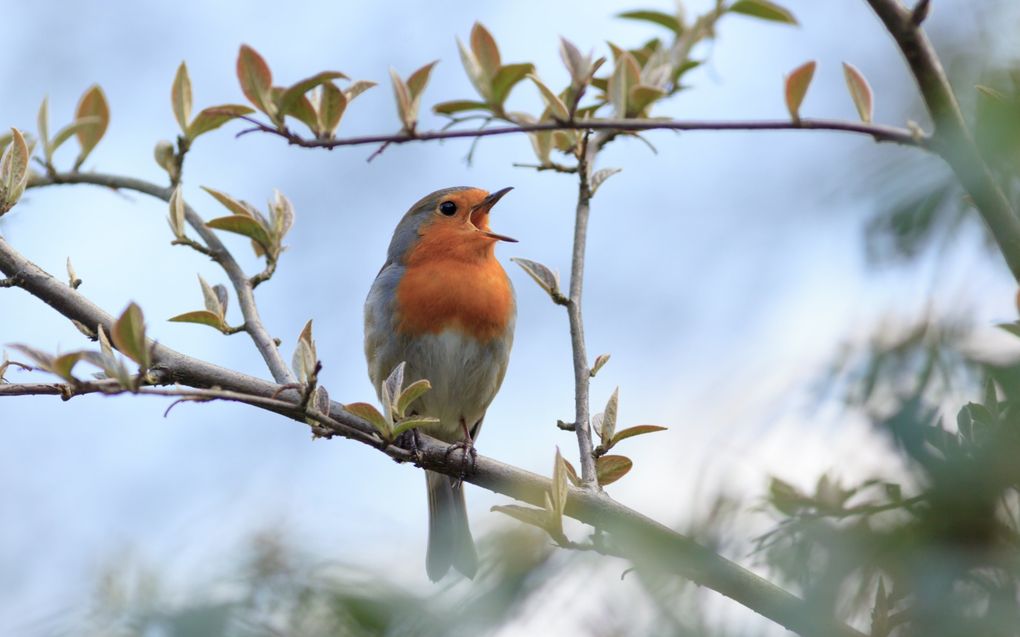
421,213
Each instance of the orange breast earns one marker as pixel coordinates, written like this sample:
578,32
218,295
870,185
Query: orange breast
440,290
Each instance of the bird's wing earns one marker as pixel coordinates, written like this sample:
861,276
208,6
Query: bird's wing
382,349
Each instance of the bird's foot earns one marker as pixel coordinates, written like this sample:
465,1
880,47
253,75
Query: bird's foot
410,441
468,457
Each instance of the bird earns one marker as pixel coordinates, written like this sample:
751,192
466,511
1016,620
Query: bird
443,305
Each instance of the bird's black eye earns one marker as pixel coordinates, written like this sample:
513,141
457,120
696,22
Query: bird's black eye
448,208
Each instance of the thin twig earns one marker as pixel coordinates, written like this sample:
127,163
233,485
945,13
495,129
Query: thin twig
878,132
243,287
636,536
582,373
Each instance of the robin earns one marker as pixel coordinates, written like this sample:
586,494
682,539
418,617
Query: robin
443,304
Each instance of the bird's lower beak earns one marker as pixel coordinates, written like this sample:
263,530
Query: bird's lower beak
479,213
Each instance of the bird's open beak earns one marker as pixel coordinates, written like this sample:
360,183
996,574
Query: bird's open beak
479,212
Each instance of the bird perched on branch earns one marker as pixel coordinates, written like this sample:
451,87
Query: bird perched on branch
443,304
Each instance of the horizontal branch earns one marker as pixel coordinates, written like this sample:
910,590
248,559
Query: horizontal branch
877,132
243,286
643,540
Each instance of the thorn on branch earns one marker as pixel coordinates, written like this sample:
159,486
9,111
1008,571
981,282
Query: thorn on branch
920,12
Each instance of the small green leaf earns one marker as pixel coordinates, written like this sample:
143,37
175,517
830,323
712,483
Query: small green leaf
413,422
201,317
222,296
72,277
233,205
474,71
558,493
303,111
418,80
641,99
528,515
542,143
625,75
91,104
483,45
211,299
411,393
457,106
600,176
571,473
39,358
177,213
599,363
292,95
70,130
637,430
104,343
357,88
211,118
656,17
305,357
129,335
42,121
860,92
609,469
370,414
556,106
282,211
180,97
408,117
608,429
243,225
112,366
765,10
543,276
256,80
796,87
393,387
332,104
507,77
13,171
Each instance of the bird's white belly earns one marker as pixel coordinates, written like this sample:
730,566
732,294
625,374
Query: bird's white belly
464,378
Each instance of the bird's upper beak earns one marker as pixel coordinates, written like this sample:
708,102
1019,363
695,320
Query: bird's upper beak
479,212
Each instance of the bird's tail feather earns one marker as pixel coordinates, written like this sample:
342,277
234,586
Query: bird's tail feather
450,541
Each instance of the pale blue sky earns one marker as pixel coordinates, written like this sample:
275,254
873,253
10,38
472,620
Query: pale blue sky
723,273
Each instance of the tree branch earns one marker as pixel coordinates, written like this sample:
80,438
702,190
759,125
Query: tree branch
243,286
952,138
582,373
877,132
641,539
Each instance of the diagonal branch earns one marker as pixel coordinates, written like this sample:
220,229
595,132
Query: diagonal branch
641,539
952,138
243,286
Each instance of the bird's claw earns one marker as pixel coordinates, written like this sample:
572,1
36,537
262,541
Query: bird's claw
410,440
469,456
